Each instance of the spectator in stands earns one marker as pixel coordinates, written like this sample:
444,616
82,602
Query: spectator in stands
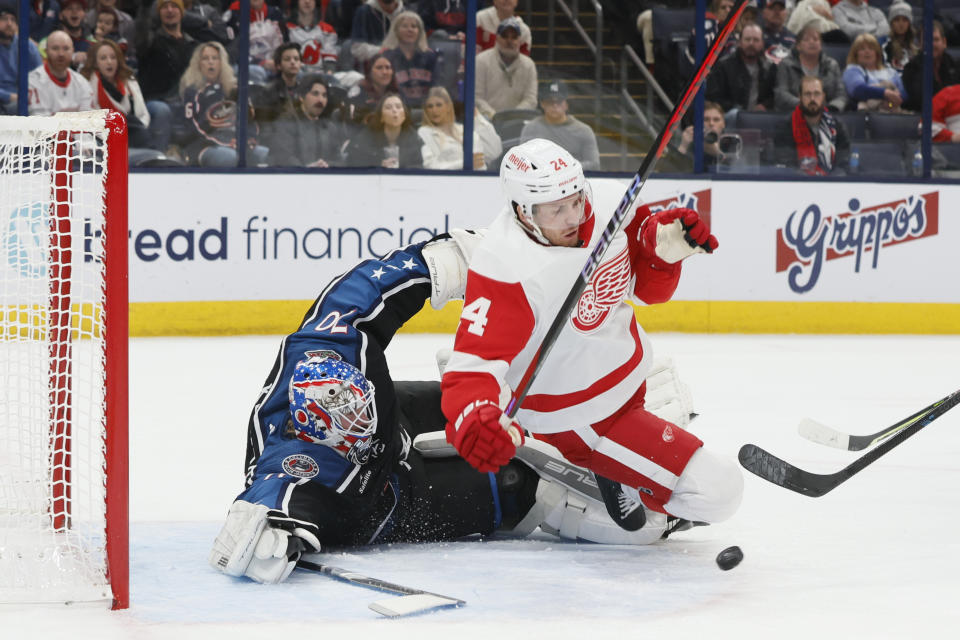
201,21
490,140
946,114
856,16
125,26
162,64
414,63
489,19
558,126
268,30
506,79
305,135
378,82
389,140
208,90
165,59
442,135
777,39
115,88
371,23
871,84
746,78
56,87
714,124
717,13
280,94
449,16
107,28
43,19
71,23
811,139
319,49
9,52
820,14
946,71
903,43
808,59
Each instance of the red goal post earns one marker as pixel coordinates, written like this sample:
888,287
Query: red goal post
64,534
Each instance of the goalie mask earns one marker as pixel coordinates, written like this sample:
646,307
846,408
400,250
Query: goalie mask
544,185
331,403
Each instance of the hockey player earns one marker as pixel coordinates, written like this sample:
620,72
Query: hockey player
588,399
329,457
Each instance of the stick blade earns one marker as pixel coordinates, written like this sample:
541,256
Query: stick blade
822,434
772,469
413,604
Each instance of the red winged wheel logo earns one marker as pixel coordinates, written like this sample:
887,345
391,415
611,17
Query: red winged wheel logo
607,288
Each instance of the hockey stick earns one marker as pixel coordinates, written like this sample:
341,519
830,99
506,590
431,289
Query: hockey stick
619,216
773,469
412,600
823,434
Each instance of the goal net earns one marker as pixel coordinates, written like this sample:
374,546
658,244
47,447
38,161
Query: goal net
63,359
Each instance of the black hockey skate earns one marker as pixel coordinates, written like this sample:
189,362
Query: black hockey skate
624,510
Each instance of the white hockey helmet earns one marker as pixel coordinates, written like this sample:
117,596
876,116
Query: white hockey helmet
540,171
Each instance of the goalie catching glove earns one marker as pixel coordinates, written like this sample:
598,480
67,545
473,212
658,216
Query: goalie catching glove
674,234
249,545
481,438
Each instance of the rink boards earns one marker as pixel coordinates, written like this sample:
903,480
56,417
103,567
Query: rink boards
223,254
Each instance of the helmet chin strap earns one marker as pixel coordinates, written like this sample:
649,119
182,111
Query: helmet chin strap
529,226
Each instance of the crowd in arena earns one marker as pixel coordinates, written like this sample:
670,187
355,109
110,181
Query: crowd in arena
361,83
820,64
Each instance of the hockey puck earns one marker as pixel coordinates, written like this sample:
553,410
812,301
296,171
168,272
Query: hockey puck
729,558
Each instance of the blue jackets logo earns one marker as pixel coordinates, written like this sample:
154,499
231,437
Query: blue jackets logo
300,466
809,239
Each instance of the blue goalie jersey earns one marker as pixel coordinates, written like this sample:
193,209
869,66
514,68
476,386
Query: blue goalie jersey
344,499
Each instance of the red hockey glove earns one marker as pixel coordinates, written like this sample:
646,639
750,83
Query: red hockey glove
481,440
675,234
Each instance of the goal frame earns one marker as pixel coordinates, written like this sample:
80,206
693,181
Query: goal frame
63,222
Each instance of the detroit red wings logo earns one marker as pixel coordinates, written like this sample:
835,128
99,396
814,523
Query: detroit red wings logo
607,289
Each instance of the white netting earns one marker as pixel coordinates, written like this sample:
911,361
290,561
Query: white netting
52,364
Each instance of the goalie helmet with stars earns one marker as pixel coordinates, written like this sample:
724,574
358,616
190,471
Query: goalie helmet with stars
331,402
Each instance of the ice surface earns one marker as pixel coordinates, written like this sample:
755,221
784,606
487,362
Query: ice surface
878,557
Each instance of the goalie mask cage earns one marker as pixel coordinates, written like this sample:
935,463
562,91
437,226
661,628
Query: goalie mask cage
63,359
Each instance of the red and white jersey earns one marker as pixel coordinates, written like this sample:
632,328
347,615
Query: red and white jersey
515,288
49,95
317,44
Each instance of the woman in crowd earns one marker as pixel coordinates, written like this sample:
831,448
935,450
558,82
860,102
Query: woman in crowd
807,59
871,84
378,81
209,89
902,43
389,140
115,88
414,63
319,50
442,136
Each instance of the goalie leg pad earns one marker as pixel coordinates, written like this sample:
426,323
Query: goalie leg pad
572,516
667,397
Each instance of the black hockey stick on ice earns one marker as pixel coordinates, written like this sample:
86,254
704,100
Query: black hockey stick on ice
413,601
823,434
620,215
773,469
